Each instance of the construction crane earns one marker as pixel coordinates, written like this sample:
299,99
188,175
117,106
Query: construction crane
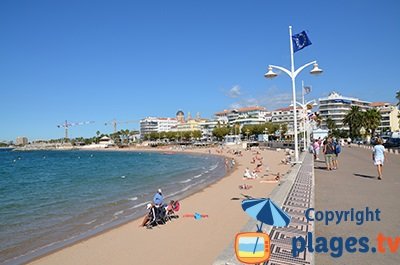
114,123
67,124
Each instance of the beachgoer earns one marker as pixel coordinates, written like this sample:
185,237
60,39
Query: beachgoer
149,215
316,149
158,198
338,149
378,156
329,151
248,174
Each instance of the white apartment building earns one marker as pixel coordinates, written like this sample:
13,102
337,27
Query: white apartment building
244,116
389,116
21,140
154,124
285,115
336,106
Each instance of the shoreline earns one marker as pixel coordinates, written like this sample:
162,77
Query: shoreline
186,197
58,245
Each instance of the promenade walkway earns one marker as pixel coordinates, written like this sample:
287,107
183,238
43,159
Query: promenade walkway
355,185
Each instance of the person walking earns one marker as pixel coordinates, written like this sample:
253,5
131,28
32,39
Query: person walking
316,148
378,156
337,149
329,151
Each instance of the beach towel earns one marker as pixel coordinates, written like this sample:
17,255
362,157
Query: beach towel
196,216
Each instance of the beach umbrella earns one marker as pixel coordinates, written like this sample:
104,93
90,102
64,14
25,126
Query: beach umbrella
265,211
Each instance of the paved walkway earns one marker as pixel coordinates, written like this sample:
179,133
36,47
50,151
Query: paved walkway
354,185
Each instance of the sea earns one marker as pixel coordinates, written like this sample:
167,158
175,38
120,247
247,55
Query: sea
49,199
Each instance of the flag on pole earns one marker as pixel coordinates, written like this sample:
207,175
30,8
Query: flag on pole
307,90
300,41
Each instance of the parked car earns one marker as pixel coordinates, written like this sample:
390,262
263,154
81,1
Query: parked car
392,142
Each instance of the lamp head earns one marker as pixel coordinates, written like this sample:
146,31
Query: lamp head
270,73
316,70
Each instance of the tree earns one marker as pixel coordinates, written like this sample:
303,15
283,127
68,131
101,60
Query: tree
354,119
97,138
220,132
330,124
398,97
371,120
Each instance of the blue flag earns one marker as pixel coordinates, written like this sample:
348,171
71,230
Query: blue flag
300,41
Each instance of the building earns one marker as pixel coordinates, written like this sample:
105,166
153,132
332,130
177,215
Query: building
244,116
389,116
285,115
336,106
153,124
189,125
21,141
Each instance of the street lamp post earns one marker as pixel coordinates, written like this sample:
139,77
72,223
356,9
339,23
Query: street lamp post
292,73
304,107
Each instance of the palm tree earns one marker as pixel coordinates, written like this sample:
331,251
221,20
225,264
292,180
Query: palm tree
330,124
97,138
372,120
354,119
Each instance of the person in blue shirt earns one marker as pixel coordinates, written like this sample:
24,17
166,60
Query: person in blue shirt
378,156
158,198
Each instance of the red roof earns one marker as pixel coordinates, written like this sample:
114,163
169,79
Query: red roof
378,104
287,109
245,109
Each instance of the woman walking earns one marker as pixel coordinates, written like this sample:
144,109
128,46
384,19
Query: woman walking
329,151
378,156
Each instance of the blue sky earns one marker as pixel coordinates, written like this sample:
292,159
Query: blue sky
99,60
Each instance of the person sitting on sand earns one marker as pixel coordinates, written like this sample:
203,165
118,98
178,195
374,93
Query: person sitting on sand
273,180
245,187
248,174
158,198
147,218
253,161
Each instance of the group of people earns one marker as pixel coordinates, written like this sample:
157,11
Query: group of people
159,212
330,148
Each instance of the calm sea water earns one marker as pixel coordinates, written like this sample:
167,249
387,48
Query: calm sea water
51,198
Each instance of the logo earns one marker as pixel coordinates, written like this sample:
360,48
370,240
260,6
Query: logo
254,247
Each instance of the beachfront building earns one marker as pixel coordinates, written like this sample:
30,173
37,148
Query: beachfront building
189,125
244,116
154,124
389,116
21,140
285,115
336,106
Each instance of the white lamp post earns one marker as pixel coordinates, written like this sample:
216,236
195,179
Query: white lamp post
292,73
304,107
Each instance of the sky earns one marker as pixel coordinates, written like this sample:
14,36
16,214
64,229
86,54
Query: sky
96,60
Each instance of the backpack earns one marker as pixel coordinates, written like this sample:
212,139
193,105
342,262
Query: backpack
338,148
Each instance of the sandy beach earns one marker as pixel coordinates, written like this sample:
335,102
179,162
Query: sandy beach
184,240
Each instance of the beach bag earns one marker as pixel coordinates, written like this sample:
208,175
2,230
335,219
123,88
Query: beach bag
338,149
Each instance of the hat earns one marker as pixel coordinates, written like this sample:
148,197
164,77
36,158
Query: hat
159,191
148,206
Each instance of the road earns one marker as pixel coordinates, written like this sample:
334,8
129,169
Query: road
355,185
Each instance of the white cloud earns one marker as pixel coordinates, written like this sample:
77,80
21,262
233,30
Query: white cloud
234,92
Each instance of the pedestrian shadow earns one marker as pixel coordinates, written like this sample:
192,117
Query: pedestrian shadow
321,168
364,176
